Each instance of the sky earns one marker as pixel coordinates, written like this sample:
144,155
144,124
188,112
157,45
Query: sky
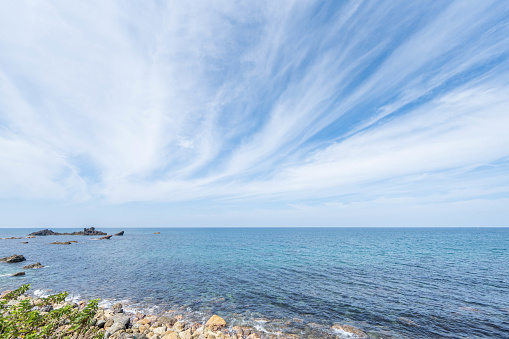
254,113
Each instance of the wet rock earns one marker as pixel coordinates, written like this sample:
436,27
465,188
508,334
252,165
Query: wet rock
349,330
13,258
117,308
119,233
215,323
105,237
60,243
12,238
18,274
157,233
168,321
24,242
30,237
34,266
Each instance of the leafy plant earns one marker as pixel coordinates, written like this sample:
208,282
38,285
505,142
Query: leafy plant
20,319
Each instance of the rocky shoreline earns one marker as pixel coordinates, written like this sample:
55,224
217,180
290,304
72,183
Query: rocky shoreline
116,323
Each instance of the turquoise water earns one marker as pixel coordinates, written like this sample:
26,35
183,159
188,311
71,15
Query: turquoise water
391,282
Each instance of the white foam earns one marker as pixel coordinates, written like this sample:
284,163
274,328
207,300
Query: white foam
42,293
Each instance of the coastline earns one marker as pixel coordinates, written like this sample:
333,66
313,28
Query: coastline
121,321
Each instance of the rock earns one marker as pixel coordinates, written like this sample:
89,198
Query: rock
126,336
178,326
47,308
108,323
119,233
44,232
172,335
18,274
24,242
167,321
13,258
120,322
215,323
105,237
253,336
186,334
86,231
60,243
117,308
34,266
157,233
30,237
100,323
12,238
349,330
73,241
160,330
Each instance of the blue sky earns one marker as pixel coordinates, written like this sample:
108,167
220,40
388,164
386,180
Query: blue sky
258,113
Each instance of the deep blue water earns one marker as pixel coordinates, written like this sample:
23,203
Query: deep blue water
391,282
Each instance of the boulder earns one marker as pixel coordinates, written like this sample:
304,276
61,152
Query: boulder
167,321
105,238
215,323
119,233
117,308
100,323
18,274
120,322
34,266
349,330
13,258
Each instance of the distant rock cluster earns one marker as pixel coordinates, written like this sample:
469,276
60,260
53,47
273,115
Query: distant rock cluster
86,231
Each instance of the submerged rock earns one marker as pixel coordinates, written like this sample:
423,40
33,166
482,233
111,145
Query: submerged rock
36,265
349,330
18,274
105,238
60,243
13,258
215,323
157,233
120,233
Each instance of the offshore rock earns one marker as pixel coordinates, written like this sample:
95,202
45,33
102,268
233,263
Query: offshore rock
215,323
13,258
18,274
105,238
119,233
60,243
34,266
86,231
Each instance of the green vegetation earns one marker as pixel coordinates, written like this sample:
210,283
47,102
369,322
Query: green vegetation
20,319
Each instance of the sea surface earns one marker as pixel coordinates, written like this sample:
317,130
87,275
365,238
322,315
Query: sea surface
390,282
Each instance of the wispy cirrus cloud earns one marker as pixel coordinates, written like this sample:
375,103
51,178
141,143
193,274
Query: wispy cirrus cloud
290,102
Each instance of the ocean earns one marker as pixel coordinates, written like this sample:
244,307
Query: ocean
389,282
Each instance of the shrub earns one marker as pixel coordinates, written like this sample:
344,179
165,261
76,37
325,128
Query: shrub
23,320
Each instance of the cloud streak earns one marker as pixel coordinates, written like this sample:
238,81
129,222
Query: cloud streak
293,103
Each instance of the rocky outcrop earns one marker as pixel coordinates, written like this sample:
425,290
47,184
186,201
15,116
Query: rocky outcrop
34,266
215,323
86,231
13,258
119,233
18,274
12,238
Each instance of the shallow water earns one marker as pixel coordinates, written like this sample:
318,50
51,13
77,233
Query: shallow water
391,282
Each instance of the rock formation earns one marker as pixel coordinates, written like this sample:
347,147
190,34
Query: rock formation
34,266
86,231
13,258
119,233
